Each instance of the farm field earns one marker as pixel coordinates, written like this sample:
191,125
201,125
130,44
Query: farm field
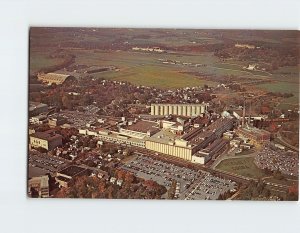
133,58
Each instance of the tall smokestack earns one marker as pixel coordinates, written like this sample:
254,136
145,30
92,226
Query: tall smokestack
249,120
244,112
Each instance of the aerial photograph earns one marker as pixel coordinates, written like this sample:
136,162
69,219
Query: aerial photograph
165,114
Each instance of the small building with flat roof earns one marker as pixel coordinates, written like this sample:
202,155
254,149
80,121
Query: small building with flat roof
64,176
47,140
53,122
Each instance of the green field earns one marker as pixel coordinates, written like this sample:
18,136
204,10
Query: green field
39,60
142,68
156,77
238,68
284,87
242,166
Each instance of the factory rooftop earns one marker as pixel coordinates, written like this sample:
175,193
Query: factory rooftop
181,104
219,123
253,130
164,136
201,137
192,134
47,135
217,142
143,126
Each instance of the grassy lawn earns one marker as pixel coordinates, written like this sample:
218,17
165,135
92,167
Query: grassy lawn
242,166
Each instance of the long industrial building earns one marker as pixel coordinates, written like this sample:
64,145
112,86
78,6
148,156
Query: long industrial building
163,137
56,78
189,110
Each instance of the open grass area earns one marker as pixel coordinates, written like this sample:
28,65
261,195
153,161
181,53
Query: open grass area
239,68
242,166
142,68
39,60
156,77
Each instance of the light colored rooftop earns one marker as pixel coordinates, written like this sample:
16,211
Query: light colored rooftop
163,104
164,136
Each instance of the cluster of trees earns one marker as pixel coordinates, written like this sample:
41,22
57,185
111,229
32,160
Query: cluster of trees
87,142
288,129
93,187
254,190
66,133
172,189
258,190
68,60
292,194
225,196
272,56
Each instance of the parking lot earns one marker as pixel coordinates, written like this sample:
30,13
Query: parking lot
209,187
285,162
191,184
79,119
161,172
49,163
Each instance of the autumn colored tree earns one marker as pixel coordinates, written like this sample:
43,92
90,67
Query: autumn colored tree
62,193
129,178
292,194
120,174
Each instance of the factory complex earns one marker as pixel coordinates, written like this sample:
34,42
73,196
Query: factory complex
176,135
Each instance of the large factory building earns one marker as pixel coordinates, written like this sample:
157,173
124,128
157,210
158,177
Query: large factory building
187,145
189,110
